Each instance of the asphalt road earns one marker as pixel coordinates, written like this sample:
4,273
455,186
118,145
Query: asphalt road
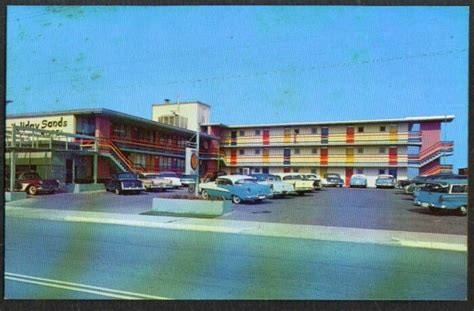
341,207
62,260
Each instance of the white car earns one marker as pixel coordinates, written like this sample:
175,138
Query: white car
279,188
152,181
173,177
301,185
317,184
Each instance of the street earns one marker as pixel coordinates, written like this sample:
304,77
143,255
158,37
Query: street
63,260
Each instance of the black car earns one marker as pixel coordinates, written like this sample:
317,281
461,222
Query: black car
124,182
333,179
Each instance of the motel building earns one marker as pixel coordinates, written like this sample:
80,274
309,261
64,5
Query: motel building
88,145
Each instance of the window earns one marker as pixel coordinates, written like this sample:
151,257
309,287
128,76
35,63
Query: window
314,130
257,151
360,150
314,151
256,170
459,189
381,171
360,129
257,132
297,131
296,170
382,150
241,133
297,151
241,151
313,171
359,171
382,129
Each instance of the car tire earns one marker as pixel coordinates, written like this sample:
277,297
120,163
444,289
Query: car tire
236,199
258,201
462,210
117,191
51,192
32,190
300,193
205,194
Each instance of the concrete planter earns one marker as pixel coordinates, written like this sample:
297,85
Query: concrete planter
183,207
77,188
14,196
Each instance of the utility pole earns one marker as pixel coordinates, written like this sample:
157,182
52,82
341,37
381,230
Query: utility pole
196,189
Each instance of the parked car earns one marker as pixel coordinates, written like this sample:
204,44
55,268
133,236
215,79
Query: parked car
237,188
32,183
175,180
124,182
315,178
385,181
152,181
187,179
419,181
278,188
332,180
300,185
358,180
442,194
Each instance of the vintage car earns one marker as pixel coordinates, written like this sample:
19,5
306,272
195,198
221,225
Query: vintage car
385,181
419,181
296,180
124,183
332,180
315,178
152,181
187,179
278,188
449,194
358,180
175,180
32,183
238,188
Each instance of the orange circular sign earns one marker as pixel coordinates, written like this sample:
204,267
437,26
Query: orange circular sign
194,161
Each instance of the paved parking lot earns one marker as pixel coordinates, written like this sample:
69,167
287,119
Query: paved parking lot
340,207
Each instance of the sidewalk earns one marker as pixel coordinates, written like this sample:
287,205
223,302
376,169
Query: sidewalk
341,234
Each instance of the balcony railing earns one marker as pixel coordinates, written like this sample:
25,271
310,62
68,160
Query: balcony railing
366,138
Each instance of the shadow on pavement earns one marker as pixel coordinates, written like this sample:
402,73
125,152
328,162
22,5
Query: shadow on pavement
426,211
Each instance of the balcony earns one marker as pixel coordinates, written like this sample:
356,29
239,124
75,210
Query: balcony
333,139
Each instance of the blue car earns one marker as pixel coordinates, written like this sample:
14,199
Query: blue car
385,181
443,194
237,188
358,180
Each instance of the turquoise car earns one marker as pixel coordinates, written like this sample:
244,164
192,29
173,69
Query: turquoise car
385,181
358,180
443,195
237,188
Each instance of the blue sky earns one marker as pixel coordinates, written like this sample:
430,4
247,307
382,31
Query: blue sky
251,64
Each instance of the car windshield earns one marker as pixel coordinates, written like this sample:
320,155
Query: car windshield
333,176
259,177
273,178
152,176
188,176
385,178
245,181
125,176
32,176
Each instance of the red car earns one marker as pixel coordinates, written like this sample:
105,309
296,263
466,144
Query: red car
32,183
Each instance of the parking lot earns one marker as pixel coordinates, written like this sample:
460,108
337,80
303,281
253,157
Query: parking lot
387,209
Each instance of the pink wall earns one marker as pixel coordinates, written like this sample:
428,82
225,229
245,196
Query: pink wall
430,134
102,127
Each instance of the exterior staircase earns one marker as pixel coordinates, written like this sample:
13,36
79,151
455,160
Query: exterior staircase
109,149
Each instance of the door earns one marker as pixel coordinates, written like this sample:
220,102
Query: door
392,156
233,138
68,171
324,135
324,156
287,136
286,156
349,172
393,172
265,156
265,170
266,137
233,157
350,135
393,132
246,171
350,156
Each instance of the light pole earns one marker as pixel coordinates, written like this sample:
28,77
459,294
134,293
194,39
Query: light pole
196,189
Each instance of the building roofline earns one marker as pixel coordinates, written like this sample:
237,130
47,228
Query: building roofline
182,103
108,112
444,118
